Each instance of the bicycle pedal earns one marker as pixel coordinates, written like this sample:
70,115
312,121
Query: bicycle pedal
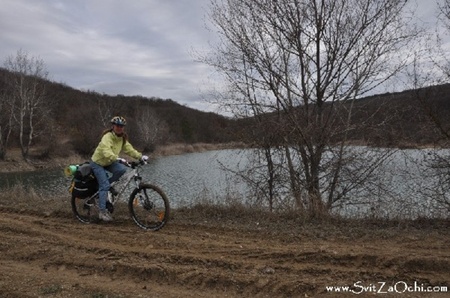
87,206
90,202
113,191
109,207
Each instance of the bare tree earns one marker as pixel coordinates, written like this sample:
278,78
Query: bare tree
308,61
444,15
6,119
152,130
27,97
429,71
108,108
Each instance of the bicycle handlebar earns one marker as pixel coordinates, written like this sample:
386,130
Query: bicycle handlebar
133,164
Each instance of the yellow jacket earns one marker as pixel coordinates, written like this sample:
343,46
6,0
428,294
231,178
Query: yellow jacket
109,148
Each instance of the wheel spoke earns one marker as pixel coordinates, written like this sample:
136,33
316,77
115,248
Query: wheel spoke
149,207
85,209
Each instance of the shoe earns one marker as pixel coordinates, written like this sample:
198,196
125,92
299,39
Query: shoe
105,215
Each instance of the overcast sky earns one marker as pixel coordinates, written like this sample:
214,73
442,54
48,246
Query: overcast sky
133,47
136,47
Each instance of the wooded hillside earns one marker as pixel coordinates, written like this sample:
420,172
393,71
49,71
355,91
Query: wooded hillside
72,120
408,119
412,118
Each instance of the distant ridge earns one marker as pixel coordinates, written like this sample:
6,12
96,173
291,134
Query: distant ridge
406,119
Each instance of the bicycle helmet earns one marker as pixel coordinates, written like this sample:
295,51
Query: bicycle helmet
119,120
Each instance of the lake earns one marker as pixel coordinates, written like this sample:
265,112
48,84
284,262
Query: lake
184,178
410,187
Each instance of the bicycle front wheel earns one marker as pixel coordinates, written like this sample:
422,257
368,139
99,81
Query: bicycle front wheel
149,207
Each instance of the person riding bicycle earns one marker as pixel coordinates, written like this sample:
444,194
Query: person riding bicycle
106,159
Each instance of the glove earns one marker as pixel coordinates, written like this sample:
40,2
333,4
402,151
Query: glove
144,158
122,160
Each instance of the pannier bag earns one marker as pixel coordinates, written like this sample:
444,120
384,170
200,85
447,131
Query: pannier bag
83,183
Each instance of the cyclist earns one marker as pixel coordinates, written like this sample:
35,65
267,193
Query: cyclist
106,159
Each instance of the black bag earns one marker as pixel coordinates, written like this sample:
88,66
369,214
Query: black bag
84,183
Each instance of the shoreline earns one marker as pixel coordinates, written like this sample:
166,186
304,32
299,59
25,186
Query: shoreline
15,163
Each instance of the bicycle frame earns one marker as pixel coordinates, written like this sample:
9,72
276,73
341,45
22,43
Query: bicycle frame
126,178
134,174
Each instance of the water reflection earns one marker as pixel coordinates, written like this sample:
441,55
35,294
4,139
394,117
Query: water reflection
43,182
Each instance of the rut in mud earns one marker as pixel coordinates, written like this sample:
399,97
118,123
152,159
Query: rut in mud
45,252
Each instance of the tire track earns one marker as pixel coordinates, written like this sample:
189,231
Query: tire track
41,253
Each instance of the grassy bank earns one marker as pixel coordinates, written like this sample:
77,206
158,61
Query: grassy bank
180,148
15,162
229,215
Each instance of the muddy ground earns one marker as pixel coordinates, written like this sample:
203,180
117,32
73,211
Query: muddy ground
211,252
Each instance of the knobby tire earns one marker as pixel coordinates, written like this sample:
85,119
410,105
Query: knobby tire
149,207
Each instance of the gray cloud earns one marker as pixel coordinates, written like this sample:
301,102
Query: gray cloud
112,46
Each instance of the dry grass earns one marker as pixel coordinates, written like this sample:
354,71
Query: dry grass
181,148
232,215
22,199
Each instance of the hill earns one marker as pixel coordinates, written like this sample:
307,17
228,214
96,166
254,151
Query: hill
411,118
72,120
407,119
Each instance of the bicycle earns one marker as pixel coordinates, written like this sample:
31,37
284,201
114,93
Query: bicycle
148,204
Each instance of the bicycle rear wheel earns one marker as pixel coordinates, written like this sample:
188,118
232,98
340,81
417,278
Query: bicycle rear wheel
149,207
85,209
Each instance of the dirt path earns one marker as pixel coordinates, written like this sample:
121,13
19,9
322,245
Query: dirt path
49,254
